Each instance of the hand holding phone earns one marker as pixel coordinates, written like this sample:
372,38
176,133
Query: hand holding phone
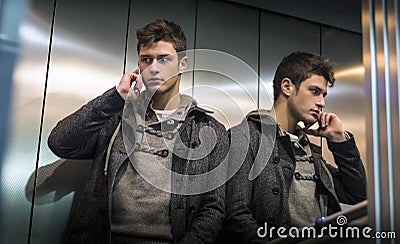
129,81
137,84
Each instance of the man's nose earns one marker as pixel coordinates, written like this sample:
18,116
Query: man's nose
321,103
154,69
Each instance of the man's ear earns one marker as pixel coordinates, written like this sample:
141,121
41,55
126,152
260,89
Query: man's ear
183,64
287,87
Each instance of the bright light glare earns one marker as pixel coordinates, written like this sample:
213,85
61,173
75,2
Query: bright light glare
358,70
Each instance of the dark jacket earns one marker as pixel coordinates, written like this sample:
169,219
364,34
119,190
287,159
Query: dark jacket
252,203
86,134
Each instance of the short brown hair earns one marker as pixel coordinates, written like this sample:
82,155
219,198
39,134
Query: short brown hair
162,30
299,66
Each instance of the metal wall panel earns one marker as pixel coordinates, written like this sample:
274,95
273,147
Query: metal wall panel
233,30
87,59
347,97
381,42
281,35
22,144
343,14
12,13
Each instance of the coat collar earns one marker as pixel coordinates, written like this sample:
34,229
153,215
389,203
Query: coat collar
261,116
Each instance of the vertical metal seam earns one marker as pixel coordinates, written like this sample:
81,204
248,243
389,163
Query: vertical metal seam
367,61
397,21
259,60
320,39
41,122
397,41
388,110
195,44
375,118
127,36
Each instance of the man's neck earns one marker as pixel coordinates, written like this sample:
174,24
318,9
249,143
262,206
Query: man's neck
166,101
284,118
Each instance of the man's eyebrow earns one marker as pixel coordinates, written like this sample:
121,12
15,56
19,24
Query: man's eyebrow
158,56
163,55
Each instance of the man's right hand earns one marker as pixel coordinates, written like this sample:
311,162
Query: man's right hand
125,84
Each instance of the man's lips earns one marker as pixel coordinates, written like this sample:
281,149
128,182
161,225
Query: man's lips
315,112
155,81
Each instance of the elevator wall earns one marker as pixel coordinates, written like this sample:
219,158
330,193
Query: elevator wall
74,50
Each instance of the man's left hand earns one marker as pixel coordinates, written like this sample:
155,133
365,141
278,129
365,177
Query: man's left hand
330,126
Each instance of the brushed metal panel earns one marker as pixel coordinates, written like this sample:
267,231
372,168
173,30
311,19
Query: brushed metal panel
11,15
233,30
281,35
182,12
394,54
339,13
368,62
380,20
86,60
347,97
22,143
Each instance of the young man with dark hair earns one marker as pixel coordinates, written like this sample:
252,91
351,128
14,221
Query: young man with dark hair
120,204
284,181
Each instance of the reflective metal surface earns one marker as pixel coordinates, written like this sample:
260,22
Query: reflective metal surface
12,13
21,149
232,30
347,97
87,58
339,13
83,65
381,53
281,35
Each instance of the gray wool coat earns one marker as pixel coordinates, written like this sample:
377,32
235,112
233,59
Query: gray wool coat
252,203
86,134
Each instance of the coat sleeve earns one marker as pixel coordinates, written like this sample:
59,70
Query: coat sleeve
349,178
207,222
76,136
240,223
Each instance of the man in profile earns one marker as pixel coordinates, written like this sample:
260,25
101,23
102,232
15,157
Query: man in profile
284,181
118,204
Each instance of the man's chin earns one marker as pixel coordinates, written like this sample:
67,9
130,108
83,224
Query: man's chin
308,123
153,89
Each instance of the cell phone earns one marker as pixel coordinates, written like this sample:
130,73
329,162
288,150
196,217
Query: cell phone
137,92
308,126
